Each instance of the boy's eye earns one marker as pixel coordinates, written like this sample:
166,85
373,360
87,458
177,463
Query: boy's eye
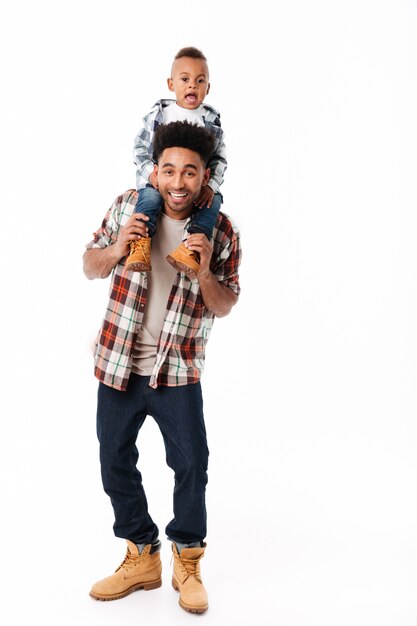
184,78
201,80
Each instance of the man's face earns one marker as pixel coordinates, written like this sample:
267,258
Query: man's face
189,80
180,175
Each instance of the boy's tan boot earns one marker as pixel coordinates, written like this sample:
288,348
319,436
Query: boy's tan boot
187,580
138,571
139,259
185,260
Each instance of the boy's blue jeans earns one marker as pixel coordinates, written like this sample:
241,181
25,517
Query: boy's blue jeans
202,221
178,411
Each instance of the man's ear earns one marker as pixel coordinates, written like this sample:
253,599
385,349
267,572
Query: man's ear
170,84
155,171
206,177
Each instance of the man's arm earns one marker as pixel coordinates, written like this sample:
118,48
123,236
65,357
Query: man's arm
218,298
99,262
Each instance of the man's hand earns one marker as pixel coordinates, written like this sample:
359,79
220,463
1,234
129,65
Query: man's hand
218,298
134,229
99,262
205,198
199,243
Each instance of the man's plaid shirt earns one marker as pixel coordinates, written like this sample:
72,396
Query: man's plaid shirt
143,150
187,324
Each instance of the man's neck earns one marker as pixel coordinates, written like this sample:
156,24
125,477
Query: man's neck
178,215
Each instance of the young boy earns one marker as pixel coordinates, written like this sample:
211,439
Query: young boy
190,82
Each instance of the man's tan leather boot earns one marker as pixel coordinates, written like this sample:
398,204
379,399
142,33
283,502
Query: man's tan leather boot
139,259
187,580
185,260
138,571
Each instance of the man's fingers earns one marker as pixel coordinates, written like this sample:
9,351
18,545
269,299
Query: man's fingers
140,217
200,244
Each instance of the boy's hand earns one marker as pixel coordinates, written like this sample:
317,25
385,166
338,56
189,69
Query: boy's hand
134,229
153,180
205,198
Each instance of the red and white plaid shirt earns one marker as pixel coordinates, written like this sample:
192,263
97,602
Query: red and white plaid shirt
187,324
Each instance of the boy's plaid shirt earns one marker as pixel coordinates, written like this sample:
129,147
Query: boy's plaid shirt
143,150
187,324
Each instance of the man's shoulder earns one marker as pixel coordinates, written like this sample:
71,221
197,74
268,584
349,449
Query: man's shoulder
226,226
124,205
127,197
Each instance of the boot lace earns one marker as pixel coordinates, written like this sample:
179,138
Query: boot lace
190,567
130,560
140,244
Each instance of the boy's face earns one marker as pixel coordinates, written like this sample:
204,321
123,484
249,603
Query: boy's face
189,81
180,175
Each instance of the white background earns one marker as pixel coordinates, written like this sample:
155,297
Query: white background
310,384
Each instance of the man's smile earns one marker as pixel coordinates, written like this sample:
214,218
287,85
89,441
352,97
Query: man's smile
178,195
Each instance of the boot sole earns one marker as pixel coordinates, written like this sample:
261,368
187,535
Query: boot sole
190,609
138,267
154,584
181,267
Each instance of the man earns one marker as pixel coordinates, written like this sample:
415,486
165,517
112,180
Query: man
149,359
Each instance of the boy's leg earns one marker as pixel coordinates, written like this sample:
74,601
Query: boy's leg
203,221
205,218
149,203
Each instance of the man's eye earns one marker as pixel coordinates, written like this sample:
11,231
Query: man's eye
167,172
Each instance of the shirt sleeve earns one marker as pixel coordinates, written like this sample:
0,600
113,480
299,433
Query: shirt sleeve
142,147
218,165
226,267
106,235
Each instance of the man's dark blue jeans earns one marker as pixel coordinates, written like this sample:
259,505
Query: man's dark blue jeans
178,411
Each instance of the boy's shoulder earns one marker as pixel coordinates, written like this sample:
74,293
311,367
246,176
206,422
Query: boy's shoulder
211,109
159,106
212,117
165,102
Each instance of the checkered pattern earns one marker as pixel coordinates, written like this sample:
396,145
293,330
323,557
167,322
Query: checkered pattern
142,150
187,324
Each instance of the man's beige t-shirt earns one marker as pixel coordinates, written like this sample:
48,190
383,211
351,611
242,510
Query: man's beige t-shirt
168,235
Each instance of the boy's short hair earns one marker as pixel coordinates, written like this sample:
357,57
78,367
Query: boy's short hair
183,135
194,53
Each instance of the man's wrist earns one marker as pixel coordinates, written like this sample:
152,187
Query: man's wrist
115,254
204,275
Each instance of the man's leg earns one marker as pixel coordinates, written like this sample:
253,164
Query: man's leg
119,418
179,414
120,414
